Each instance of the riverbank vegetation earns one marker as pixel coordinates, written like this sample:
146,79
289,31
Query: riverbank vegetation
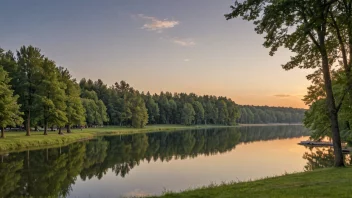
328,182
17,141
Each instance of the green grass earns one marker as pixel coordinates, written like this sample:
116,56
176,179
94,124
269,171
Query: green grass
17,141
329,182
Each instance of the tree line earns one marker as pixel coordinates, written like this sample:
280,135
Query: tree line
51,172
38,94
127,106
265,114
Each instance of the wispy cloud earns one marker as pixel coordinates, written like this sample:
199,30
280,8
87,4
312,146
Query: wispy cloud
183,42
180,41
282,95
187,60
158,25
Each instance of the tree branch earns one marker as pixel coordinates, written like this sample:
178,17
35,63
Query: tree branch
342,45
343,97
307,24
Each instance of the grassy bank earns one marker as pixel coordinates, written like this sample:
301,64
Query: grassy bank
329,182
18,141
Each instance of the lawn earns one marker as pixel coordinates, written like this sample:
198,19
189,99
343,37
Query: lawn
329,182
18,141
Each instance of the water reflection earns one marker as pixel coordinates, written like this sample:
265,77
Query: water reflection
53,171
321,157
265,133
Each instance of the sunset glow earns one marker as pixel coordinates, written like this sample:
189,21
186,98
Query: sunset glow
162,46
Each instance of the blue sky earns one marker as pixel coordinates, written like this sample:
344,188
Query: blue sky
155,45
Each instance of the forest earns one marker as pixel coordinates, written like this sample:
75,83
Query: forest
51,172
38,94
265,114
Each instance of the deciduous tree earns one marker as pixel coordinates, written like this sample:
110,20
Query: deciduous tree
29,61
188,114
302,27
10,114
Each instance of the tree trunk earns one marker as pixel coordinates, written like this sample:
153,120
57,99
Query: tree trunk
52,128
348,125
45,127
330,100
2,132
68,129
28,127
60,130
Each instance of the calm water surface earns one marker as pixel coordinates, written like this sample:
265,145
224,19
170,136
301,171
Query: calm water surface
142,164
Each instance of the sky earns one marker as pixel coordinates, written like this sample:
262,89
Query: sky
156,45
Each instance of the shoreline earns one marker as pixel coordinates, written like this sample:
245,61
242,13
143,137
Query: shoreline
17,141
303,184
272,124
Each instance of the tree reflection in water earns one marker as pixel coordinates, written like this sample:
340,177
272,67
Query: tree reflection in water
321,157
52,172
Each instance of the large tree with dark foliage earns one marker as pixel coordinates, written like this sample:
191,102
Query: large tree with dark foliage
302,27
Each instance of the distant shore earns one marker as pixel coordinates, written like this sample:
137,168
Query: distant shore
17,141
271,124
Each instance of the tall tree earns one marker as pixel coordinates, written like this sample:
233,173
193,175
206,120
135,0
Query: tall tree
153,109
223,112
233,112
116,107
9,63
90,111
300,26
124,93
188,114
50,96
102,116
209,112
95,109
172,111
29,65
139,112
199,110
9,109
75,111
102,91
164,108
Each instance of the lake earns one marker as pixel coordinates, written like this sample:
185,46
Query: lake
142,164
